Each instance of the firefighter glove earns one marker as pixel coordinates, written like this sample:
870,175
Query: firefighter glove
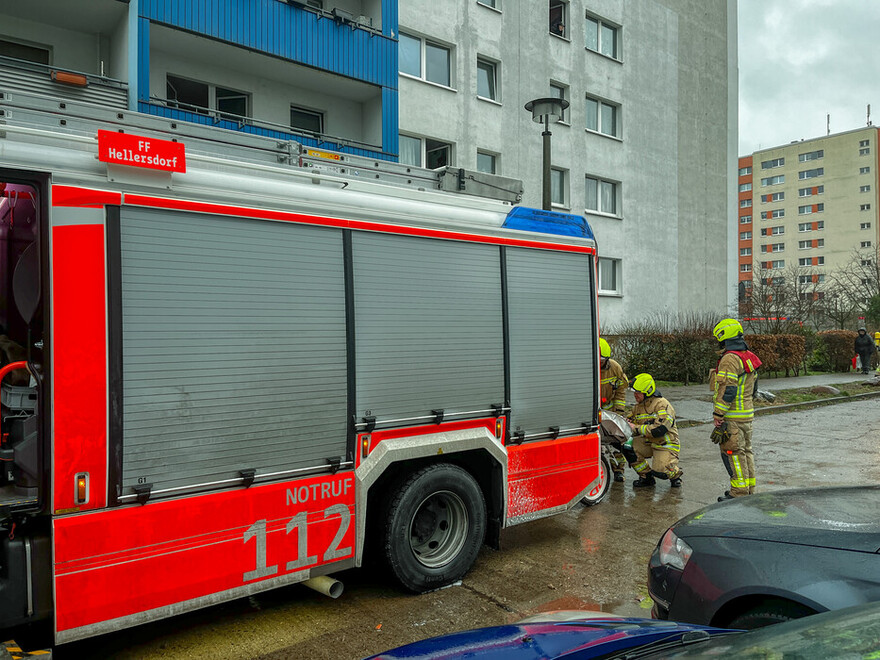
720,434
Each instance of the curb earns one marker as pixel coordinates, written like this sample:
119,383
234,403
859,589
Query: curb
789,407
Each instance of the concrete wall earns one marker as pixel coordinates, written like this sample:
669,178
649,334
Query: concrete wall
69,49
675,160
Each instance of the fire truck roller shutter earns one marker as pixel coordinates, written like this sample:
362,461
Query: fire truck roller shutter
429,326
234,347
552,364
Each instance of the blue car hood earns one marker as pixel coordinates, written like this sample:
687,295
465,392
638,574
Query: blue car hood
845,518
547,639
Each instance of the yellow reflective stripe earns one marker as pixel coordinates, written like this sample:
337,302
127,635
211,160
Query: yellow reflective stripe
644,416
640,467
727,374
740,414
751,482
644,430
606,381
722,406
739,481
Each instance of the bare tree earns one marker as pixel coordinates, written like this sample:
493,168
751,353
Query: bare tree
854,284
779,297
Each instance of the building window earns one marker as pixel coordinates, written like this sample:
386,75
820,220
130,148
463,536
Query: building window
494,4
424,152
820,261
805,261
770,164
602,37
743,171
773,231
745,268
745,219
809,192
808,226
557,187
775,264
24,52
864,143
773,180
745,235
487,78
866,262
487,162
774,197
203,98
805,245
811,208
745,203
306,120
865,170
424,59
865,151
609,276
864,207
745,187
745,252
775,213
864,189
865,244
558,18
773,247
602,117
601,196
560,91
865,225
811,155
811,174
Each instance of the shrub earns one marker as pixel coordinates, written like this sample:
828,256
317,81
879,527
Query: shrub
835,349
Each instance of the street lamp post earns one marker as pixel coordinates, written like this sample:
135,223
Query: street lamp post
544,111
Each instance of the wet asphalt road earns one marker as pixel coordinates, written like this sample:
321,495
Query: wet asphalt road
589,558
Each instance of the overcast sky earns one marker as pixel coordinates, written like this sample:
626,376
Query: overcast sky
800,60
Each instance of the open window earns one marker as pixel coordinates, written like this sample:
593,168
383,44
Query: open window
21,324
559,18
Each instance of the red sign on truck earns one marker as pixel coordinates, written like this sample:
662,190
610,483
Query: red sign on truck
139,151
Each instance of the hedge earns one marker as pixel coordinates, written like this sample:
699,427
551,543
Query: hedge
687,357
834,350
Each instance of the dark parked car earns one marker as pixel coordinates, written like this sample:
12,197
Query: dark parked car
769,557
850,633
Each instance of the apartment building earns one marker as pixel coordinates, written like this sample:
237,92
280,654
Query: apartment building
745,242
323,73
813,205
646,149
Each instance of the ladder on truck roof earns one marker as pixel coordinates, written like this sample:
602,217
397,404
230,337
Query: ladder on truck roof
38,115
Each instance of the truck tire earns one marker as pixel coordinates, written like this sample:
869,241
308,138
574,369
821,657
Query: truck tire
600,491
435,523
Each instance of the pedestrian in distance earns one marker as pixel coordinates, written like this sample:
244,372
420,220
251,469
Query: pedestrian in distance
865,349
734,382
612,393
655,436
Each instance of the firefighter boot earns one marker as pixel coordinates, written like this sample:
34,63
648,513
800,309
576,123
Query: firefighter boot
726,496
644,481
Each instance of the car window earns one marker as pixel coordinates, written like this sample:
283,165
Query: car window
850,633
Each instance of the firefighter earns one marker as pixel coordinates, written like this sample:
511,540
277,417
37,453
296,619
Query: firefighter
613,396
734,382
654,436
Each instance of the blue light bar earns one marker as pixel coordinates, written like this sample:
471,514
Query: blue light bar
548,222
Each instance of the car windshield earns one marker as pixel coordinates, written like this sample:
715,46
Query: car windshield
850,633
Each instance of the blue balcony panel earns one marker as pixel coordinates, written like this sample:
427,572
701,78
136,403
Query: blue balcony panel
289,32
196,118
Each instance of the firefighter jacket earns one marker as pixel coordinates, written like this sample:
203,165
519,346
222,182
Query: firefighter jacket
654,418
734,382
613,386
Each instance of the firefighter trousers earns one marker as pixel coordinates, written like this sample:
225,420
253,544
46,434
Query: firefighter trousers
736,454
664,459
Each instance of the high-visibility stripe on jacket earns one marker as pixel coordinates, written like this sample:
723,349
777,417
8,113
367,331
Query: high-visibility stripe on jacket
733,373
651,413
612,386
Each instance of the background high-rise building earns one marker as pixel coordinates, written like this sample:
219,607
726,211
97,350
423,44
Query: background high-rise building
813,205
646,150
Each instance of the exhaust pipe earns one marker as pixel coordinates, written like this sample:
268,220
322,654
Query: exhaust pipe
324,584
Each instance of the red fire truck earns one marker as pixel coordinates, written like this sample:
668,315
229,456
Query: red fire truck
232,363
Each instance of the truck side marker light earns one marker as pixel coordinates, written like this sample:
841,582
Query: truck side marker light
365,446
499,427
82,488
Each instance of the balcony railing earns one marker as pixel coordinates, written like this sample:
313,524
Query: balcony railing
21,76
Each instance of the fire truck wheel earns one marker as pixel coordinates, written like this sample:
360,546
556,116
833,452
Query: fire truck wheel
600,490
435,523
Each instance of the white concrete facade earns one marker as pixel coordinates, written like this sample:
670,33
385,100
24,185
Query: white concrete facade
672,161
